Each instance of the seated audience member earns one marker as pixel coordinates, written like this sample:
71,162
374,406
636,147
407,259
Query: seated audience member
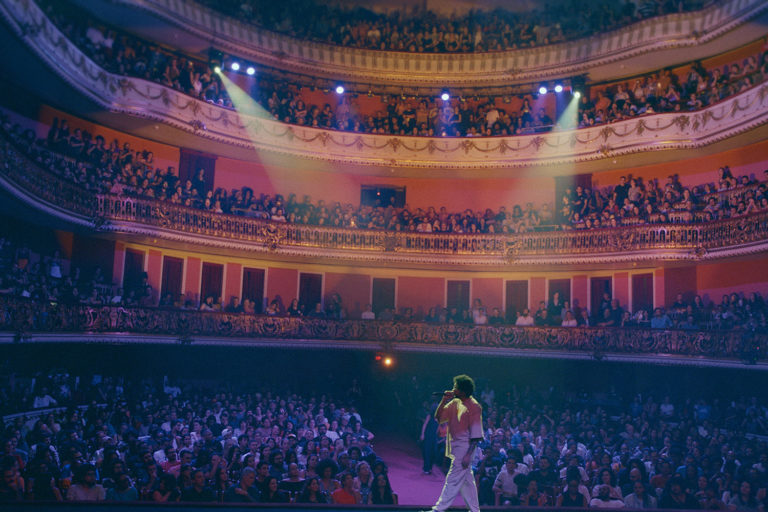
382,491
525,319
604,500
198,491
85,487
271,493
640,498
346,494
244,491
572,497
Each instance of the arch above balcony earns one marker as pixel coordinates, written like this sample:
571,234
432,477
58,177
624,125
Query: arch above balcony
640,47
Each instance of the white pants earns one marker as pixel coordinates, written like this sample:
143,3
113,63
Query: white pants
459,480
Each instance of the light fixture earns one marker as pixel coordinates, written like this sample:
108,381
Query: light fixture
577,94
339,89
445,96
251,70
235,66
216,69
558,88
542,90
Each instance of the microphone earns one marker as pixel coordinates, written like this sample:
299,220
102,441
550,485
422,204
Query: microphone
437,394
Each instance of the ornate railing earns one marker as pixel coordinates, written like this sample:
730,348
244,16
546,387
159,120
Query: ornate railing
25,317
733,116
698,238
692,30
129,215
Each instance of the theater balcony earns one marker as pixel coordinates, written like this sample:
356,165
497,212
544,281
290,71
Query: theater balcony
151,109
640,47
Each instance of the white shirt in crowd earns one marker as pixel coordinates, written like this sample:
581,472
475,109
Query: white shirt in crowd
524,321
43,401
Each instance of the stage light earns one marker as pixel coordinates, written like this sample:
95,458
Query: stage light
577,94
216,69
339,89
388,361
251,70
558,88
445,96
235,66
542,90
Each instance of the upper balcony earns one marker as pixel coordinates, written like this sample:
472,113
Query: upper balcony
733,122
640,47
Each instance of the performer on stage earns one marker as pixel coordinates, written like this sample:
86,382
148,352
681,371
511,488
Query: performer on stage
464,417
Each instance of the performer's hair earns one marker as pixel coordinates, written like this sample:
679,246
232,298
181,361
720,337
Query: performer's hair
465,384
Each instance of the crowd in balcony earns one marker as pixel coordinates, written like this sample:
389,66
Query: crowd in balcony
549,447
101,166
636,201
47,278
170,442
282,100
425,31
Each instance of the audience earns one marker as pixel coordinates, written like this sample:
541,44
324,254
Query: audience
167,443
636,201
548,446
88,161
425,31
284,101
50,279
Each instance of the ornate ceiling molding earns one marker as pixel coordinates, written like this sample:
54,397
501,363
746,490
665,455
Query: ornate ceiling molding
686,30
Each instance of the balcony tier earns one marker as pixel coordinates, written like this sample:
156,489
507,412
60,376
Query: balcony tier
643,46
26,321
639,136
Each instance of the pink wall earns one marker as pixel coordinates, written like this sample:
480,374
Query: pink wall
154,271
679,280
192,282
579,291
621,288
537,287
331,185
420,293
490,290
355,290
283,282
233,282
716,279
118,267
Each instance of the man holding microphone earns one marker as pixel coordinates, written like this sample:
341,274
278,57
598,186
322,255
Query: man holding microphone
463,415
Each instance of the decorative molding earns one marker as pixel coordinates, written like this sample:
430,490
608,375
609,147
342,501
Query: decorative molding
141,98
685,30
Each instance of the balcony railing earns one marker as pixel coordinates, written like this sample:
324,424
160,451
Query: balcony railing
136,97
127,215
686,30
700,237
25,317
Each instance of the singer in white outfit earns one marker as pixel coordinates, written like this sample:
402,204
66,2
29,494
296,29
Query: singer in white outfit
464,417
